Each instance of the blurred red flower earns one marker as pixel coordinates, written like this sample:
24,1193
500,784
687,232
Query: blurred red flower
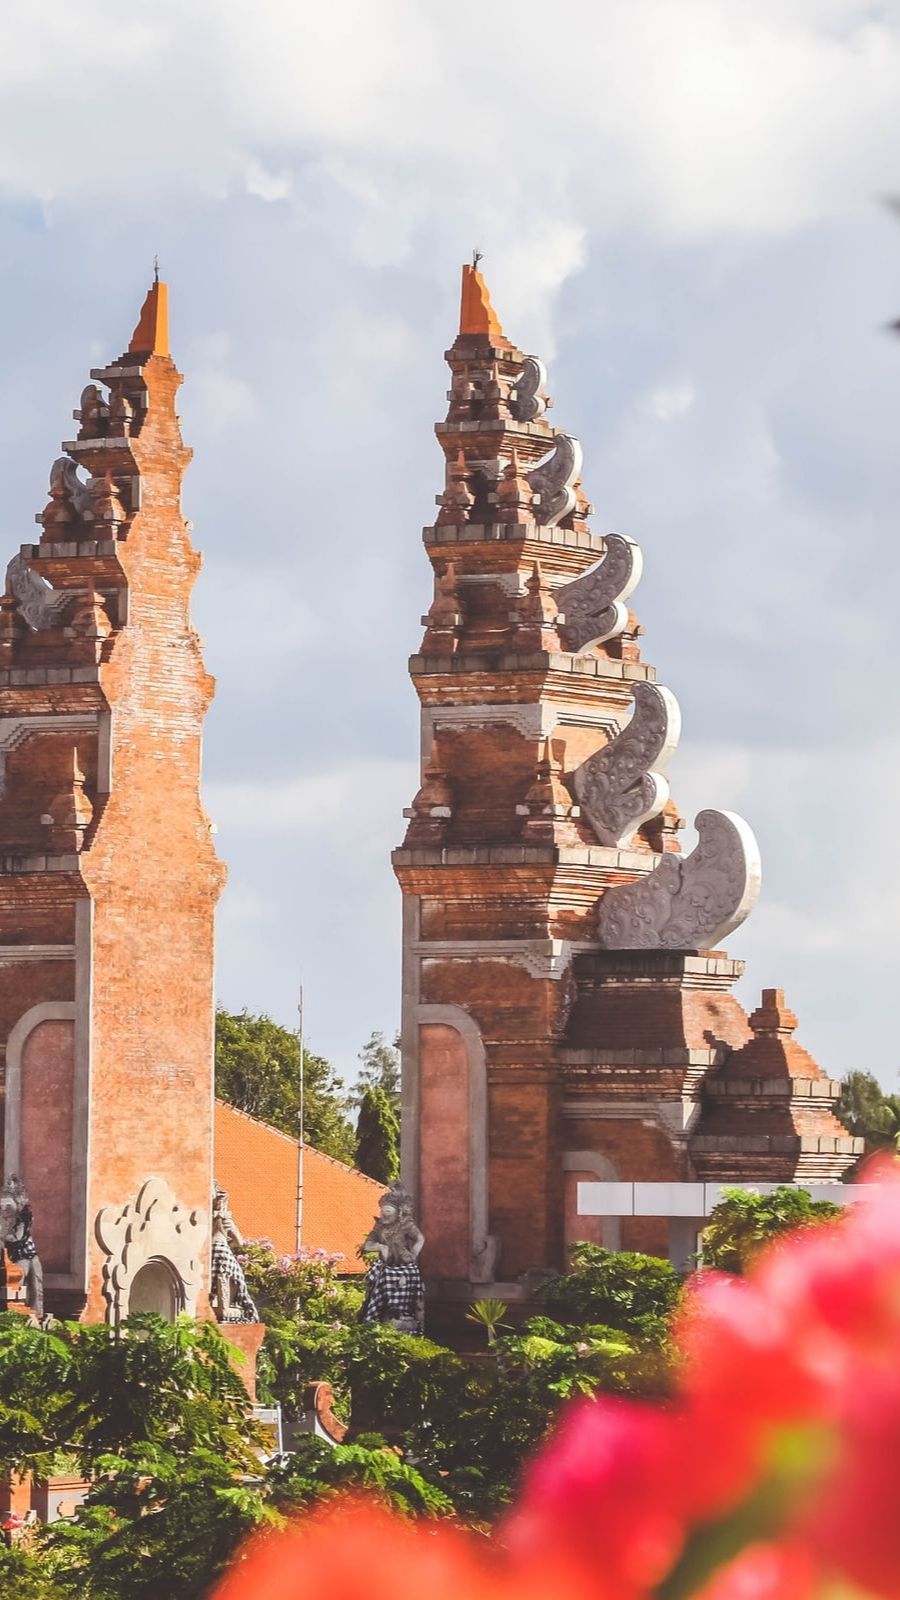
774,1473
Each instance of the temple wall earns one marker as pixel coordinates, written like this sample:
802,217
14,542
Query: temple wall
46,1136
445,1135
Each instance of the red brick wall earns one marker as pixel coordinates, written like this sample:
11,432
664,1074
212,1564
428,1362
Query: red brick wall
444,1132
46,1137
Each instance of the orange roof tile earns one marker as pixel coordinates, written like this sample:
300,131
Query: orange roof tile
259,1167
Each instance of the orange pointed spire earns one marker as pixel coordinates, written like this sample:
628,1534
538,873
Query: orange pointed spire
151,336
476,314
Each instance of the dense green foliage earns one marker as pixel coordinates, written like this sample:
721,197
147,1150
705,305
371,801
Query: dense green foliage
258,1069
158,1420
867,1111
377,1137
380,1069
469,1421
618,1288
743,1222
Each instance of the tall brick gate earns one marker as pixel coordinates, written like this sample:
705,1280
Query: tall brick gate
108,875
566,1009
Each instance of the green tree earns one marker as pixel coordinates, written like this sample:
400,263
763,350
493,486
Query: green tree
258,1070
867,1111
380,1069
160,1423
377,1137
620,1289
743,1222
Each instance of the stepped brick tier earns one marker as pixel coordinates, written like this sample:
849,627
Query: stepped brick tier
567,1011
108,874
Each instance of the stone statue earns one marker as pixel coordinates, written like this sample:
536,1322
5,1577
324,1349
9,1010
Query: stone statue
16,1239
229,1296
395,1292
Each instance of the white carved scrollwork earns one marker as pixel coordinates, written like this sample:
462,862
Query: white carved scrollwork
38,603
152,1226
617,787
593,604
526,402
554,480
691,903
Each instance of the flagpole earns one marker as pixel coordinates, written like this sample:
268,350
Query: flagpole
302,1130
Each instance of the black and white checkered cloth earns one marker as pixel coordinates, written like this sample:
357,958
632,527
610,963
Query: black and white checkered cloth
225,1268
21,1246
394,1293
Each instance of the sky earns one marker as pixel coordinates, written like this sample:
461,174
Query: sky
682,210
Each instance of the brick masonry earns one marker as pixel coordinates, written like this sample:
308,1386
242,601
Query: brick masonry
108,874
641,1061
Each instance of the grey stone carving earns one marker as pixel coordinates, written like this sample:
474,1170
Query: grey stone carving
38,603
16,1239
554,480
93,410
687,903
593,604
526,402
617,787
64,480
153,1226
395,1291
229,1296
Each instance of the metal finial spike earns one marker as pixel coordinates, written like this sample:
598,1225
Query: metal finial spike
477,255
156,269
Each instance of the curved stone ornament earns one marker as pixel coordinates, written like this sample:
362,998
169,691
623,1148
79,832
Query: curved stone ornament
593,604
64,481
38,603
617,787
691,903
554,480
526,402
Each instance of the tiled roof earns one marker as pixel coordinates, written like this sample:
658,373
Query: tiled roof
258,1165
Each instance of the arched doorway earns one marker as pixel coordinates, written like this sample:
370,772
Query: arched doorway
156,1287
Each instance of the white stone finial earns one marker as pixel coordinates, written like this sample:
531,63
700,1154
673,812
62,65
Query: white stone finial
620,786
691,903
593,604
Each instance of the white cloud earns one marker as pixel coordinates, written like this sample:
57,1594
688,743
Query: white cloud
668,400
220,398
335,801
266,185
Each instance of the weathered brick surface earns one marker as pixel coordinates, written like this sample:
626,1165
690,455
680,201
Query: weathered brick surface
444,1120
47,1070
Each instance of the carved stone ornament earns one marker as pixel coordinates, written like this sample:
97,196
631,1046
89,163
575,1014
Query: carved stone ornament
153,1227
38,603
692,903
554,481
64,481
616,787
593,604
526,402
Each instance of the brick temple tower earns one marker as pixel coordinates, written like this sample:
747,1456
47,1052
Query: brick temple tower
566,1009
108,874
